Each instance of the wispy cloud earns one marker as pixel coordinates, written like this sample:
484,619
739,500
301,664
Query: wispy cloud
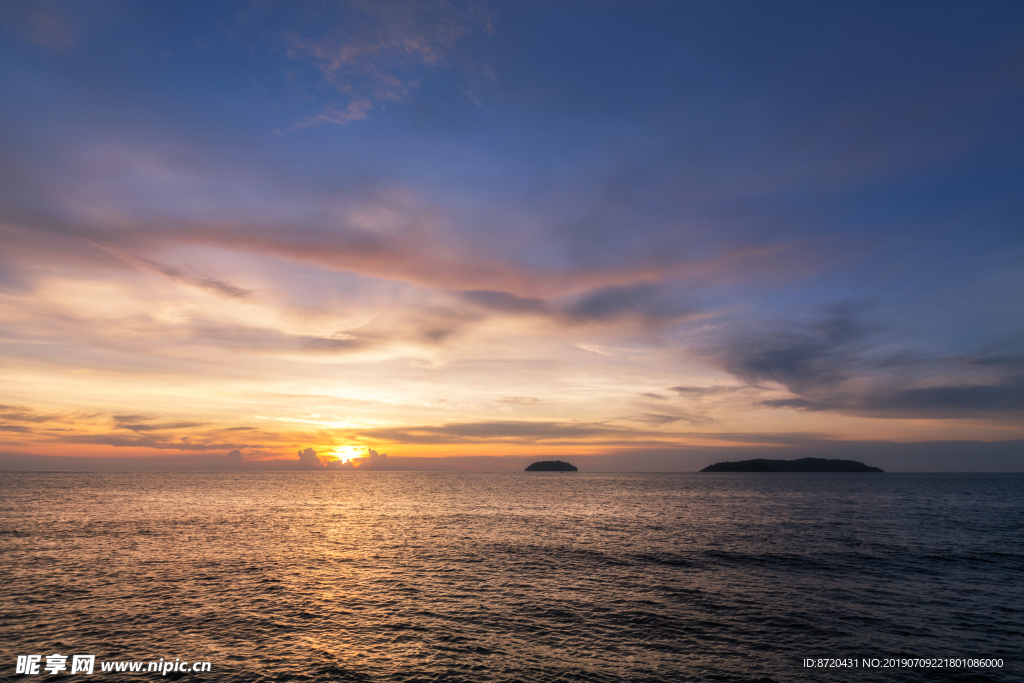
141,423
209,284
818,357
376,53
940,401
521,400
840,363
530,232
693,392
649,305
659,419
47,25
484,431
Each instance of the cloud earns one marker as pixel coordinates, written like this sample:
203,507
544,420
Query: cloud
140,423
15,413
147,441
840,364
24,414
952,400
1014,362
93,428
922,456
261,340
39,24
209,284
651,305
958,401
818,357
375,461
308,460
375,53
356,110
372,461
659,419
520,431
234,455
507,303
702,392
332,344
796,403
521,400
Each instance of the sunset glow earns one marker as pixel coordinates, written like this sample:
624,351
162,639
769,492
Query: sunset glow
232,233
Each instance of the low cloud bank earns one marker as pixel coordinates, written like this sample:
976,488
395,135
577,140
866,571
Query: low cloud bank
309,460
924,456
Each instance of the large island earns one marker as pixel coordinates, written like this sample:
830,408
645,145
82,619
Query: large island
551,466
801,465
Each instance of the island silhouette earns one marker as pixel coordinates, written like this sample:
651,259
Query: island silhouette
801,465
551,466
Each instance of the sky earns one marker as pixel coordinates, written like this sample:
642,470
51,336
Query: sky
637,236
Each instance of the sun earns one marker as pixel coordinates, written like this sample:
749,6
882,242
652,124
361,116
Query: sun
343,453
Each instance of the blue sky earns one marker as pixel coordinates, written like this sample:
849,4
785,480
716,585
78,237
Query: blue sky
608,230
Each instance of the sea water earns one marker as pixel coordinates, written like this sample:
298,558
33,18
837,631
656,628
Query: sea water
406,576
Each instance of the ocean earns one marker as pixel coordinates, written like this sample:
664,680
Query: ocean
417,576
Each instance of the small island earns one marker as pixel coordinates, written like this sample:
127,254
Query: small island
801,465
551,466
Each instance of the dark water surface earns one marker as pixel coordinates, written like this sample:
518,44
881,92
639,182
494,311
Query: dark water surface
513,577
